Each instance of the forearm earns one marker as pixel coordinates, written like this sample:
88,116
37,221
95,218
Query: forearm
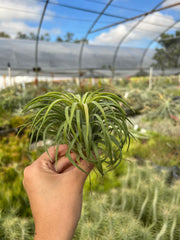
60,222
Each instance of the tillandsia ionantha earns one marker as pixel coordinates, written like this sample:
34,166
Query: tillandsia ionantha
93,125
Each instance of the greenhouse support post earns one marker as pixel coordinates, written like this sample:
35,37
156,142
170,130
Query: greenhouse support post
150,78
93,81
9,74
4,76
78,81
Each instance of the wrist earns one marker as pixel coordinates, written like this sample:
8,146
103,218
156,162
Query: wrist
53,233
51,228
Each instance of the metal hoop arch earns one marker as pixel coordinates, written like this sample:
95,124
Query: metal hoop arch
125,36
86,35
37,39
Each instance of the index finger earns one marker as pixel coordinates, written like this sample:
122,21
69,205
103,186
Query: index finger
51,154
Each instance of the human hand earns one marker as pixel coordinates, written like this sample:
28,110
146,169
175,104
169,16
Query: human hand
55,194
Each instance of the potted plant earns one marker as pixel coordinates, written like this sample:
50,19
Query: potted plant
93,125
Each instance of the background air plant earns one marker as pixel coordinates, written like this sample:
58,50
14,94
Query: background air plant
93,125
168,108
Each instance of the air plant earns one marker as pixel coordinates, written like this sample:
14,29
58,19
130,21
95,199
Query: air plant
168,108
93,125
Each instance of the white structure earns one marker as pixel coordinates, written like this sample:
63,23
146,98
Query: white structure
60,59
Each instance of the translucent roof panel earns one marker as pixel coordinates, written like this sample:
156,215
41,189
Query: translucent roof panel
57,57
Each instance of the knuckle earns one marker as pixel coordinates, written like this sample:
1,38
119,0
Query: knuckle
51,149
27,174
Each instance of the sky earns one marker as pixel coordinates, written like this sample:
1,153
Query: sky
24,16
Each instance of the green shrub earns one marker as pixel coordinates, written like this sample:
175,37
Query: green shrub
160,149
14,157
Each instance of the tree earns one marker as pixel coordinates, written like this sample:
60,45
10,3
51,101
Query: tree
32,36
59,39
46,37
4,35
68,37
21,35
168,56
81,40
